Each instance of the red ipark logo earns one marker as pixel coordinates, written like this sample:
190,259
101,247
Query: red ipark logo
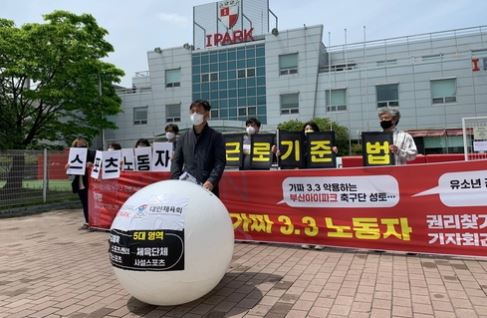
229,12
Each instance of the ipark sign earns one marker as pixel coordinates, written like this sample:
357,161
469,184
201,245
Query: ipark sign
228,14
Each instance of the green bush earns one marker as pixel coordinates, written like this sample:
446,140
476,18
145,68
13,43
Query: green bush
356,149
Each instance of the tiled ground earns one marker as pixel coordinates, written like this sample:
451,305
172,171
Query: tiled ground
48,268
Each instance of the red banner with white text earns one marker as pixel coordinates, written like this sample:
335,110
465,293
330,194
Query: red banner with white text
429,208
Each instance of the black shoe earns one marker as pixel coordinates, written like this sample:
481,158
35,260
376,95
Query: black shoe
85,226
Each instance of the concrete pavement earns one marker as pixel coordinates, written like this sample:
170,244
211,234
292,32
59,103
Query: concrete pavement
48,268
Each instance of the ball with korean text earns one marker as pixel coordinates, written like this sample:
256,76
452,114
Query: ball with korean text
171,243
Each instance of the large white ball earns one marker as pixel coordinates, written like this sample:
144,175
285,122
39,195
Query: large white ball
171,243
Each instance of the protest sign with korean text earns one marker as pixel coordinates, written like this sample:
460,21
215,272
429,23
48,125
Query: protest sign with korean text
234,149
128,159
97,165
77,161
375,149
111,164
291,149
260,151
428,208
143,158
319,150
161,156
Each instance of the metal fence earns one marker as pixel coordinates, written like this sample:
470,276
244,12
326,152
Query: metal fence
33,177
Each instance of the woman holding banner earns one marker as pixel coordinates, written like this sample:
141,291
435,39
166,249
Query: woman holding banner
80,183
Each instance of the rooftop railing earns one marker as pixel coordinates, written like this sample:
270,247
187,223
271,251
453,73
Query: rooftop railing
410,39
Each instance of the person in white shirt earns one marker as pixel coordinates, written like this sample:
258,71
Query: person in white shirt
404,148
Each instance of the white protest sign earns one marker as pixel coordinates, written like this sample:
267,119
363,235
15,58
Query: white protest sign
111,164
143,157
77,161
128,159
161,156
480,145
468,188
95,172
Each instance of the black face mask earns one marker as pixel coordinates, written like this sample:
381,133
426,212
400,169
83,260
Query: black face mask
385,124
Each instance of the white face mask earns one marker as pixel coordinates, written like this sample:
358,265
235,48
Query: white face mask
170,135
250,130
197,119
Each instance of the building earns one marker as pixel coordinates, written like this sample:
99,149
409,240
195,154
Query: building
435,79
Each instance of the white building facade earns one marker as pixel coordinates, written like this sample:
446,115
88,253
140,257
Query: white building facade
434,79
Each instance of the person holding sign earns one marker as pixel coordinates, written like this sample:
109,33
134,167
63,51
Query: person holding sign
310,128
252,127
142,142
403,147
114,146
80,182
200,152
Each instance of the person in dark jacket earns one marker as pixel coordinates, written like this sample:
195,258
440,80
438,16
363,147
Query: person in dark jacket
252,127
201,150
80,183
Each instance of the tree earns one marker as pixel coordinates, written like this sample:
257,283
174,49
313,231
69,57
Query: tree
53,84
325,124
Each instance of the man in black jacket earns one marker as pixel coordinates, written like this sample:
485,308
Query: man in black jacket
201,150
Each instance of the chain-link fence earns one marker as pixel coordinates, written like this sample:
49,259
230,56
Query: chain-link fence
33,177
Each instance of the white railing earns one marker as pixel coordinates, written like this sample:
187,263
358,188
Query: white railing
409,39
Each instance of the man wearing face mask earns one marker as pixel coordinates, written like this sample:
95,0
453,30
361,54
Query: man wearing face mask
404,147
252,127
201,150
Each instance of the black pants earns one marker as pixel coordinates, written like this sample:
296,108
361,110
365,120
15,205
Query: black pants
83,196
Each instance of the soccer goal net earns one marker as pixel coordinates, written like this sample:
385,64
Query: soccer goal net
475,137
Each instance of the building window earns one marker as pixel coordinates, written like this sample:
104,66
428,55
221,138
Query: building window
173,78
387,95
242,111
433,57
386,63
241,73
140,115
215,114
247,111
336,100
339,67
290,103
173,113
249,72
288,64
239,81
444,91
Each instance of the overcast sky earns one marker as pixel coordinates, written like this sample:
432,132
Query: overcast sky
136,27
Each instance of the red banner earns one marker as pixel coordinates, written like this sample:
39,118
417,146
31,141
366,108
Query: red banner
430,208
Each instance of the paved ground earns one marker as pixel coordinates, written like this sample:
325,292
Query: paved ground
48,268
